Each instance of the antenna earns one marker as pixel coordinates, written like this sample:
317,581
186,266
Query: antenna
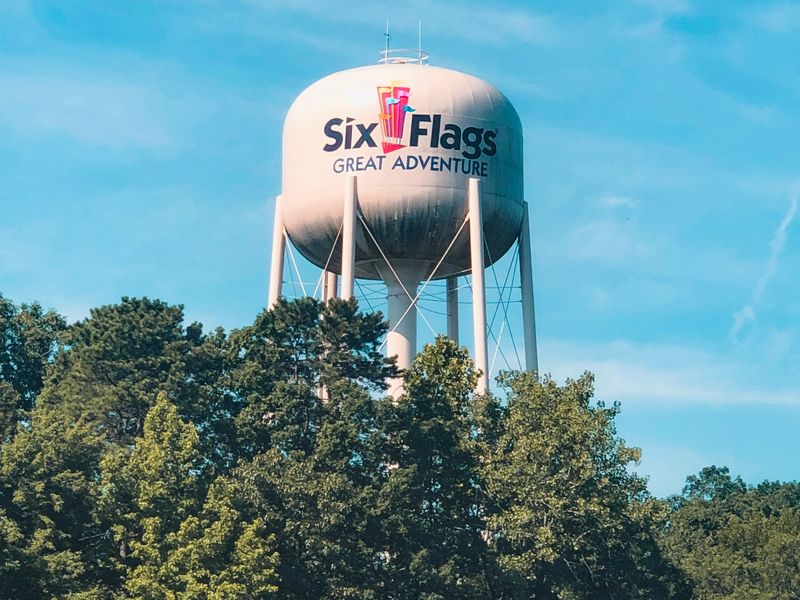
403,56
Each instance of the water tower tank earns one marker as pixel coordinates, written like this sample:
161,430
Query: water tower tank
384,167
413,134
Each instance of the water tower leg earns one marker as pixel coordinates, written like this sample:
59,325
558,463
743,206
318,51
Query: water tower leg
278,251
452,308
329,284
478,285
349,237
526,282
401,341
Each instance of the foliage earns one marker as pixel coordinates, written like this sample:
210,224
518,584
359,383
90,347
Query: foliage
115,363
566,518
48,488
143,458
430,502
28,338
283,359
736,542
150,489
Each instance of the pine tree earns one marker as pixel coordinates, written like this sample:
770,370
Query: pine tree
28,339
149,491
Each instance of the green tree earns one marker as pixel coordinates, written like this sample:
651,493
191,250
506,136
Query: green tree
148,491
115,363
566,517
51,543
314,461
28,339
285,358
221,554
156,461
429,506
736,542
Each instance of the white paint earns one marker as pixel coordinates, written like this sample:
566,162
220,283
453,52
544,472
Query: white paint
278,250
526,283
414,214
330,283
348,237
478,285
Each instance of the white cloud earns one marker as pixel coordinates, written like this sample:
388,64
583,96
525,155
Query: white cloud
90,109
609,240
741,317
781,17
492,25
747,313
666,6
664,374
667,465
616,202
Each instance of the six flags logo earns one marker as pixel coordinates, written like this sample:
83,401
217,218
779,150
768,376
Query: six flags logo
393,100
394,105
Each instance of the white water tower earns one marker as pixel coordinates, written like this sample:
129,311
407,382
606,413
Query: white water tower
406,173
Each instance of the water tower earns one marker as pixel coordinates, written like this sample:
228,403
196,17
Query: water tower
405,173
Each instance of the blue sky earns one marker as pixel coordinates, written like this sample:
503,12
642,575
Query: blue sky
140,152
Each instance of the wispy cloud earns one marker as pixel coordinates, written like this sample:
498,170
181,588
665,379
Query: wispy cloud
616,202
666,6
664,374
747,313
781,17
462,20
667,465
88,108
609,240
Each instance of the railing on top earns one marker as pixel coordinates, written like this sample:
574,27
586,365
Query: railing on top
402,56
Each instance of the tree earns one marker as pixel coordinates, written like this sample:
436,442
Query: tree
565,516
28,339
116,362
736,542
140,457
429,506
288,355
48,490
314,462
148,491
217,555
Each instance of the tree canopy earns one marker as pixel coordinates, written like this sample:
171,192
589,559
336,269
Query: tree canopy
142,457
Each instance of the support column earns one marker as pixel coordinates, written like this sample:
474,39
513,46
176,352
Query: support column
401,340
526,283
478,284
330,281
349,237
278,251
452,308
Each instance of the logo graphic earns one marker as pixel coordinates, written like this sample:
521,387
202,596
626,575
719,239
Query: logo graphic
393,100
436,131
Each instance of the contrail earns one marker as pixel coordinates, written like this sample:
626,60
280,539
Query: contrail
748,312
